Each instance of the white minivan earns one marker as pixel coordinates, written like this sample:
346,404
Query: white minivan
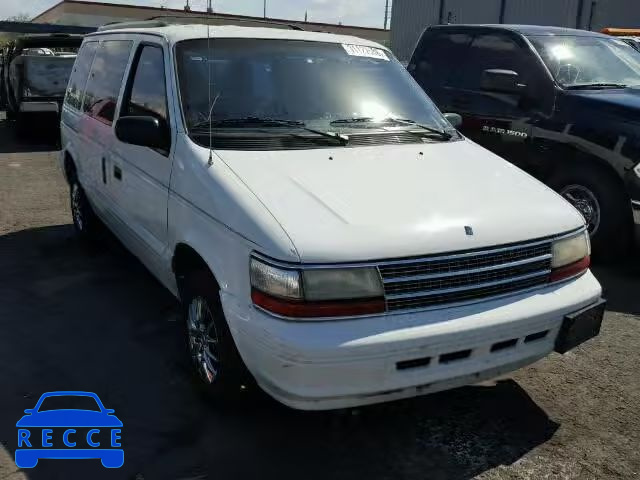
329,232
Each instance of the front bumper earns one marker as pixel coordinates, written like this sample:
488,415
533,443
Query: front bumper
347,363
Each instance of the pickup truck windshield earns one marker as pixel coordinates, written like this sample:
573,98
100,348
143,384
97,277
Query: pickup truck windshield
581,62
296,83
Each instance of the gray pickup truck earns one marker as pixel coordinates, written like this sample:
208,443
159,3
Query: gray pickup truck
34,74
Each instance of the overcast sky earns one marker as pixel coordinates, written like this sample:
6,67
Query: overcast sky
354,12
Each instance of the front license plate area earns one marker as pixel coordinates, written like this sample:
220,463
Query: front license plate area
578,327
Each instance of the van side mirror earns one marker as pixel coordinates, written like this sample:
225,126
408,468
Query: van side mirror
454,119
501,81
144,131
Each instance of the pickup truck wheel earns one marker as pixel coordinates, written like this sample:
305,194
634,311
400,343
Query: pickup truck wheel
604,206
84,219
215,360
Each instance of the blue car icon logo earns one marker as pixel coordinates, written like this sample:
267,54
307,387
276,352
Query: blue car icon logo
69,425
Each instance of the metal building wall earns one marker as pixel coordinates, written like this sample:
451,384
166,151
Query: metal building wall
613,13
408,20
471,11
561,13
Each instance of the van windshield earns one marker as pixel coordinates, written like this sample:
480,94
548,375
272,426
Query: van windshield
582,62
276,84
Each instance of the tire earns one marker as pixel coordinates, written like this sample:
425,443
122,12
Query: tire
85,221
216,365
601,200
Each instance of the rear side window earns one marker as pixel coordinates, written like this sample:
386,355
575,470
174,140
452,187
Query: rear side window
78,79
103,86
491,51
148,91
438,57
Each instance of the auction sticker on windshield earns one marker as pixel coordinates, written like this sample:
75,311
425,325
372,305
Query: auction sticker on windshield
363,51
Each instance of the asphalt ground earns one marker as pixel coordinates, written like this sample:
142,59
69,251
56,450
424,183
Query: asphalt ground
73,318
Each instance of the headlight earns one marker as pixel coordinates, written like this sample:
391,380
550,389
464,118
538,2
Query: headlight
571,256
275,281
341,284
317,292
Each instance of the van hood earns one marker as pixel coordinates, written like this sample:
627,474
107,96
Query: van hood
353,204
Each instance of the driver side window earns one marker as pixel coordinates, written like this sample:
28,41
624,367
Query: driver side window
492,51
148,90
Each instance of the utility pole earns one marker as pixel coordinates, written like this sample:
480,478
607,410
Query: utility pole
265,8
386,14
210,7
187,7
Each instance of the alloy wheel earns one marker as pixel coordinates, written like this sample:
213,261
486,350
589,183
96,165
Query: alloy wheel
203,340
586,203
76,206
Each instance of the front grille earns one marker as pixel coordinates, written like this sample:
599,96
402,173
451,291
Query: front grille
465,276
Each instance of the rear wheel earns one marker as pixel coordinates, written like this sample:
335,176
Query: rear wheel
604,205
216,363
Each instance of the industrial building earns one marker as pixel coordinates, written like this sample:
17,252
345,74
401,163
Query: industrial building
94,14
410,17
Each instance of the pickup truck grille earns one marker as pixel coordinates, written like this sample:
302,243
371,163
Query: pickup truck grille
466,276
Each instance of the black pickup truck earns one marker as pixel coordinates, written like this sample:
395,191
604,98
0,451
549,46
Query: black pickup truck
562,104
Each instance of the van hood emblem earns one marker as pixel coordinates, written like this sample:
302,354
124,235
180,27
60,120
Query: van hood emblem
468,230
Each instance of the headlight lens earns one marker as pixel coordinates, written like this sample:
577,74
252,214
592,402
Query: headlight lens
571,256
331,292
275,281
340,284
570,250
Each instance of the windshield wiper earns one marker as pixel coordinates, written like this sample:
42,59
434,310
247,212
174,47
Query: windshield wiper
247,121
346,121
587,86
268,122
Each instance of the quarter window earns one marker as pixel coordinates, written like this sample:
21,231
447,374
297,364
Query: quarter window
78,79
148,95
103,86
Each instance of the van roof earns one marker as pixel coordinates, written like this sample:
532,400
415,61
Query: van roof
174,33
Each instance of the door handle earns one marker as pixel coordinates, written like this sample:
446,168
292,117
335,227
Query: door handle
117,172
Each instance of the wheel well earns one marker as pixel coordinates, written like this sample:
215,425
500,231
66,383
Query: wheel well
186,260
69,167
584,162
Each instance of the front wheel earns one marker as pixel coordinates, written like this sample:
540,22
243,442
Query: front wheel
604,206
215,360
